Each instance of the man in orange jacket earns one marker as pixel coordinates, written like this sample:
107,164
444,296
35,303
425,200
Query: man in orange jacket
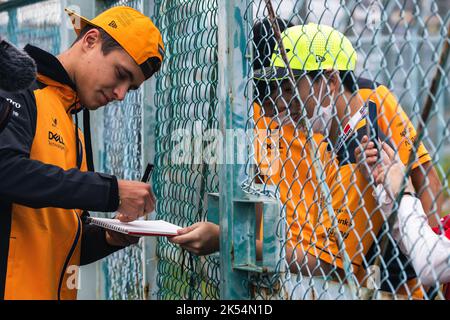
46,187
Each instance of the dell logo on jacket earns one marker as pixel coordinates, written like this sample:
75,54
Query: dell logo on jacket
56,137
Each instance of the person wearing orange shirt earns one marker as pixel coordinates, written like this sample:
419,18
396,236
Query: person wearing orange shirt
339,108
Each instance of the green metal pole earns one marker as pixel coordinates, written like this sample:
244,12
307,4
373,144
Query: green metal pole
232,110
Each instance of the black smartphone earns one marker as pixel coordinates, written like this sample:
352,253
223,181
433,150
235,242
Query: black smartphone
372,130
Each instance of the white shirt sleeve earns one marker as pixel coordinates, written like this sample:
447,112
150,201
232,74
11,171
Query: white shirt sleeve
429,252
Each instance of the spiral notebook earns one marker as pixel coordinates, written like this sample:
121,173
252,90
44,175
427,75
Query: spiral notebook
138,227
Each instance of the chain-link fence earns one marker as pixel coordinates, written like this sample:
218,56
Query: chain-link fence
186,102
122,139
301,196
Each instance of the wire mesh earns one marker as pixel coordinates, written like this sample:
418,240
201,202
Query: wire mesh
122,138
186,107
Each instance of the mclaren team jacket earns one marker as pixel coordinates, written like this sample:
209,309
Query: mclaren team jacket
42,237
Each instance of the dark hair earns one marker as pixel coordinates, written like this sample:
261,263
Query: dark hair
348,79
108,42
264,41
263,88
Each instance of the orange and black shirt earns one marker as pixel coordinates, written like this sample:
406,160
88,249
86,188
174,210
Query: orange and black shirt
45,187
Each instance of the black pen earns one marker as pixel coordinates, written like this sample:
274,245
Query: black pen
145,178
147,173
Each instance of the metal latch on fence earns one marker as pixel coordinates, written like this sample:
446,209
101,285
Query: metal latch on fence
244,226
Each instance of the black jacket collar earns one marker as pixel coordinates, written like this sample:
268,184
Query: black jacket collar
49,66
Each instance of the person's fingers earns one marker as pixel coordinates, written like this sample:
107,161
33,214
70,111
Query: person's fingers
379,179
371,152
124,218
364,140
358,152
150,201
389,151
385,158
185,235
190,234
182,239
365,144
172,239
378,175
375,173
126,240
362,146
359,156
371,160
152,195
376,169
149,204
365,150
187,229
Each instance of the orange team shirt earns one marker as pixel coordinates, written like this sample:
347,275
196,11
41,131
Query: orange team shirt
284,161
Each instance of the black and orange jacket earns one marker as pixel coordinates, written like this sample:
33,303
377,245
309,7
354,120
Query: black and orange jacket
43,178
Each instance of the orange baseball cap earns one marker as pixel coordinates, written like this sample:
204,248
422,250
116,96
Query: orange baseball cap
134,31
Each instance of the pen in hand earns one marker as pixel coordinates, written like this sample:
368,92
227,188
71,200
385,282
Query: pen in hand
145,178
148,171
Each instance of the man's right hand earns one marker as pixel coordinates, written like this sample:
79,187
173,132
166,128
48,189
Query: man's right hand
201,238
136,200
389,172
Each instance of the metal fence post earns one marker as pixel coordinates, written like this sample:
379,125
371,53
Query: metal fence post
149,256
232,80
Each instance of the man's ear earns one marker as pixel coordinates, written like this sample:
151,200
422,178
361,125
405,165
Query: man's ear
333,80
91,39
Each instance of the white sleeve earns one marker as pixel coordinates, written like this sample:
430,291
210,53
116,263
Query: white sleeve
386,204
429,252
383,200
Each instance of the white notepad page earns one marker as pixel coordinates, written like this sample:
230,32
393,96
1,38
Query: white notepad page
138,227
